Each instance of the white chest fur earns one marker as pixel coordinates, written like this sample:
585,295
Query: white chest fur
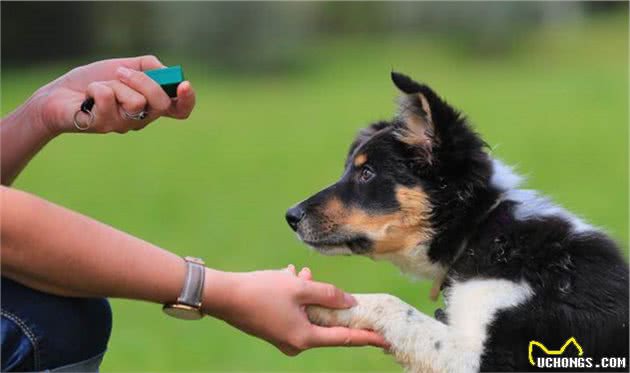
472,306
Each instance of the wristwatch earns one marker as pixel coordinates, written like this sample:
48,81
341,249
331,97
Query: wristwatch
188,305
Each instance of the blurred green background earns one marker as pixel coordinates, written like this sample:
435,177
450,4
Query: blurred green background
282,89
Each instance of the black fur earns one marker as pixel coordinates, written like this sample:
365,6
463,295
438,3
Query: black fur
580,282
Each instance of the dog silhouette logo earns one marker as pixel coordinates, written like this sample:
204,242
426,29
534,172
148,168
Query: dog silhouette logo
553,352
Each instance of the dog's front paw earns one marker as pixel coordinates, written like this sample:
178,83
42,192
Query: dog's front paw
369,313
329,317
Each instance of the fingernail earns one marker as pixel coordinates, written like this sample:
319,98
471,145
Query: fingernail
349,300
186,91
305,273
123,72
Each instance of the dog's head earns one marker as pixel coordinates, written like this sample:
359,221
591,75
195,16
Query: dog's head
404,180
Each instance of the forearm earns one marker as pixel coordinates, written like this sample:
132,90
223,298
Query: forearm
22,134
56,250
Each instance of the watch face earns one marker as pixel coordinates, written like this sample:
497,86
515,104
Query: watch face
182,311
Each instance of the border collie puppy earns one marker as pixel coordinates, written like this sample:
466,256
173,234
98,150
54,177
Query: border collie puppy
521,277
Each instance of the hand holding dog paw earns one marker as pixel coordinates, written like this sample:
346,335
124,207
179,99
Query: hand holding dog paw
271,305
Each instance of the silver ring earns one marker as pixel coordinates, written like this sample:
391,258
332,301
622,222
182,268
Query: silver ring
79,125
142,114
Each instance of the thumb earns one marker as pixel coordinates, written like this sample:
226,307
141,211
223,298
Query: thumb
340,336
326,295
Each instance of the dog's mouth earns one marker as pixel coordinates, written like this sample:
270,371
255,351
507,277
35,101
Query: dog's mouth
356,244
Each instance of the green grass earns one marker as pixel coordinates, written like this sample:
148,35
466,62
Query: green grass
217,185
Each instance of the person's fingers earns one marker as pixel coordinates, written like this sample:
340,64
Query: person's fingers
288,350
291,269
305,274
325,295
105,107
340,336
130,100
158,100
185,102
142,63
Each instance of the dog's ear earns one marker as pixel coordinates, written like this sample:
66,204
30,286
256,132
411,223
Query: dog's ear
421,112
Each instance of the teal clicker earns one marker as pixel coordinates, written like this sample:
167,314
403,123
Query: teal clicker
168,78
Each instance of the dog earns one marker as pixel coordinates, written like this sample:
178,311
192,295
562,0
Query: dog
516,271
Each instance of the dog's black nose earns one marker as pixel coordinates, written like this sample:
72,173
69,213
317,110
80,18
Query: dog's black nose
294,216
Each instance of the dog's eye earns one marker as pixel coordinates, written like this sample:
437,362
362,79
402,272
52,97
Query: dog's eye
366,175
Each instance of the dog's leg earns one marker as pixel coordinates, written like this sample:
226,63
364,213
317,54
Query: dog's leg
423,344
418,342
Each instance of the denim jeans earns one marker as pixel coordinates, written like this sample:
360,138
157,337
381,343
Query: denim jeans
44,332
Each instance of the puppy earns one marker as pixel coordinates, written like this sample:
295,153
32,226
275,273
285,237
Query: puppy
422,192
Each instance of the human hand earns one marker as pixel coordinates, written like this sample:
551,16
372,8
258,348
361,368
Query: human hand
271,305
117,86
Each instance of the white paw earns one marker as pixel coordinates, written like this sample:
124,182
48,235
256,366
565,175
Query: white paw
371,312
329,317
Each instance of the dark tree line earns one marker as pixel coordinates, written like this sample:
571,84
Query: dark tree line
259,35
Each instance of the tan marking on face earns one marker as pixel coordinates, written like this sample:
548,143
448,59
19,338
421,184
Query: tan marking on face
360,159
408,227
335,210
403,229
